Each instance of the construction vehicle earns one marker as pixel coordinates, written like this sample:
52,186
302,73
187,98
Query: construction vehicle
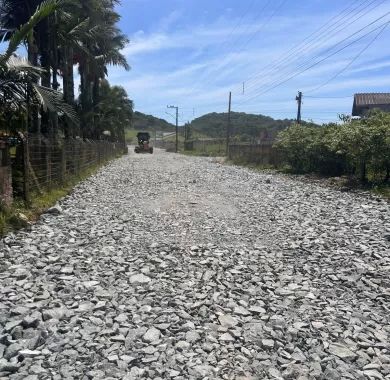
143,143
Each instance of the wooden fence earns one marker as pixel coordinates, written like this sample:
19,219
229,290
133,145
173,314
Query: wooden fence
36,164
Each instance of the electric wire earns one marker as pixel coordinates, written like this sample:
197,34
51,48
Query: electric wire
361,52
231,50
226,41
282,81
285,64
293,50
250,39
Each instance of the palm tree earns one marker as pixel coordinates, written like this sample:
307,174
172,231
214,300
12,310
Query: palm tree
19,88
115,111
103,43
73,33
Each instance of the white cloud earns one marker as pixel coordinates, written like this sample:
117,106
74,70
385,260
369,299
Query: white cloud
197,66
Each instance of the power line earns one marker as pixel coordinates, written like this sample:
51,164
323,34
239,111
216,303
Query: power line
287,62
329,97
283,2
330,25
227,40
235,44
352,61
239,22
277,84
294,48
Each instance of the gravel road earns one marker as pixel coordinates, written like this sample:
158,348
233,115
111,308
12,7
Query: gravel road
172,267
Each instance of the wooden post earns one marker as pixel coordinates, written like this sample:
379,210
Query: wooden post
63,162
26,168
228,125
48,163
299,101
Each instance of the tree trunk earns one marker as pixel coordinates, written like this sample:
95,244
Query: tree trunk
68,87
33,120
86,101
67,70
95,91
363,171
54,63
44,35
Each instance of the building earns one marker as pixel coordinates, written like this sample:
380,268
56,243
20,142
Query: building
363,103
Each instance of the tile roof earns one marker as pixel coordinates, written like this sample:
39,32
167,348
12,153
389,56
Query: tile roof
370,99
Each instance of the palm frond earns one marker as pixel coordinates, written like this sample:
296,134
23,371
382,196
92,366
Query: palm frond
83,30
12,94
53,101
114,58
45,9
20,65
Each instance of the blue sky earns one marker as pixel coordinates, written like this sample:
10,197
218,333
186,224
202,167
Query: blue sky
192,53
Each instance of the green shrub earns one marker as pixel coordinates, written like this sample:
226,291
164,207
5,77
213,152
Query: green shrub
308,149
359,147
366,144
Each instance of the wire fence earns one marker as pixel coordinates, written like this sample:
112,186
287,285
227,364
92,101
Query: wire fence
40,164
262,153
210,147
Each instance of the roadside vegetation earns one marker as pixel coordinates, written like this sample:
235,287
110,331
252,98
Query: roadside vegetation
20,215
49,43
357,152
356,148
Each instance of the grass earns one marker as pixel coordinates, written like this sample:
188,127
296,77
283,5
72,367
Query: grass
209,150
378,188
382,190
131,135
201,153
20,214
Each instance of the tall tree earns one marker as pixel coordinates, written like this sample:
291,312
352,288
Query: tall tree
74,33
19,86
103,43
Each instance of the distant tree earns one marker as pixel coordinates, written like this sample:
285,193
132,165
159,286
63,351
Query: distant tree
114,112
246,127
141,121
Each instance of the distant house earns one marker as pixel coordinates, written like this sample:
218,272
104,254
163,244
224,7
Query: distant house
363,103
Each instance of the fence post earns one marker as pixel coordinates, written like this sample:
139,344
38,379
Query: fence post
48,163
62,162
79,156
26,170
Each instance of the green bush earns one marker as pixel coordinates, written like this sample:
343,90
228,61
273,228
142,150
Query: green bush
360,147
366,143
309,149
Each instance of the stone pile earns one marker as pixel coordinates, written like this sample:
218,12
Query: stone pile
173,267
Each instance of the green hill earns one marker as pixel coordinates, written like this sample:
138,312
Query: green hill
143,122
244,126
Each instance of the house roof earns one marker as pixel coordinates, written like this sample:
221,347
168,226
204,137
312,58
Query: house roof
369,100
372,99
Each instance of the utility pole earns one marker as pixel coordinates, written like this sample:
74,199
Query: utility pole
228,125
299,100
177,126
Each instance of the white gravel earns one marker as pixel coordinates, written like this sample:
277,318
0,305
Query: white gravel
171,267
